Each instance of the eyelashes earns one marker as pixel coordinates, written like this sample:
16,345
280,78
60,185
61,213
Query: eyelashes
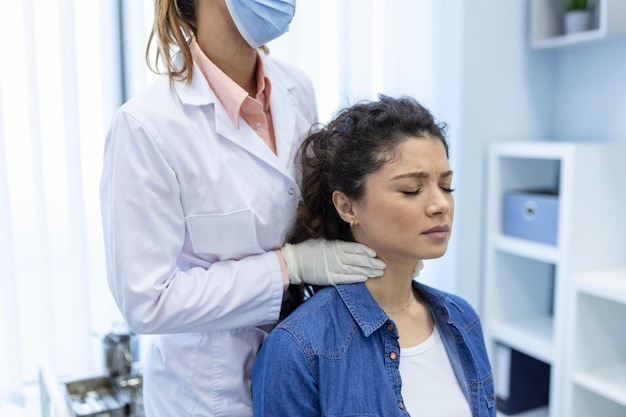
419,191
416,192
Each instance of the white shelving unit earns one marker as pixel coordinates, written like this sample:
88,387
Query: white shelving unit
546,23
597,372
562,304
537,412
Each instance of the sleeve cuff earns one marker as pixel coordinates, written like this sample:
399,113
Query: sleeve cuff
283,269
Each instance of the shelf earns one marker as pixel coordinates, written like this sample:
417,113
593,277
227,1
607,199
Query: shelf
527,248
537,412
562,304
571,39
532,336
608,283
608,382
587,403
599,344
608,21
532,150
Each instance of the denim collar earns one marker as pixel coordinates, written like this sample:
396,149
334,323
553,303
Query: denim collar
364,309
370,316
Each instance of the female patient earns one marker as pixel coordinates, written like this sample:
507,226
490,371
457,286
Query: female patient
378,174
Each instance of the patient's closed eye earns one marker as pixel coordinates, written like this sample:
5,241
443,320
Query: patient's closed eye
412,192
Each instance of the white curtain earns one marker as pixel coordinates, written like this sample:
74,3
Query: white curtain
68,64
60,81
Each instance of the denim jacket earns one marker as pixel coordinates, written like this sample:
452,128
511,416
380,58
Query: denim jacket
337,355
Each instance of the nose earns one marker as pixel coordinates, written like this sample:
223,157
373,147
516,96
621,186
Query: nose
440,203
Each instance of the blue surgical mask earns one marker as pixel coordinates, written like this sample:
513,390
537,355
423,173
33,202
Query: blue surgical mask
260,21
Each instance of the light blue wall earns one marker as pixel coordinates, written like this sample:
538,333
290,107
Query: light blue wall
590,93
505,95
511,92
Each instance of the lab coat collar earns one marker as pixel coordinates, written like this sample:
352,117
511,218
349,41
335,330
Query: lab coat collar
198,93
283,105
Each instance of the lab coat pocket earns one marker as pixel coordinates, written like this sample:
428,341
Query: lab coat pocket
229,234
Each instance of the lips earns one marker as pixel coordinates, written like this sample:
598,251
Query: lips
438,232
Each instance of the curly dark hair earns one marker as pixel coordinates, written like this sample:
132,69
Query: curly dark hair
339,156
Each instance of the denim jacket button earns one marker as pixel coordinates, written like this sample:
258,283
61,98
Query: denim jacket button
390,327
393,356
401,406
474,385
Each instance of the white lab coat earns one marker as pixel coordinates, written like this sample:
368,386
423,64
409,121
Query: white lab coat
192,209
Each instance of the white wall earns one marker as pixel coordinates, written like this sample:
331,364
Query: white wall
422,54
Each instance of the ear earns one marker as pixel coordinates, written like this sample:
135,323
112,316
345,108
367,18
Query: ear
344,206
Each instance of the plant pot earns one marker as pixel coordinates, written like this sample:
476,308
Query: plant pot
576,21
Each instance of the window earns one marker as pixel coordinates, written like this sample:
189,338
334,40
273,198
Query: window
59,84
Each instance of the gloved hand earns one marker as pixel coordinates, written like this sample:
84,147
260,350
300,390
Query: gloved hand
330,262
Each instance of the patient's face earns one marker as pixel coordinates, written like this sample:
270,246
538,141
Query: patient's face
408,207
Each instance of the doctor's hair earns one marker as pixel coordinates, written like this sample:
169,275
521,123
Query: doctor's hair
174,24
357,142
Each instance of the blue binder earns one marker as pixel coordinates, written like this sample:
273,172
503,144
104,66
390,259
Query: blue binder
522,382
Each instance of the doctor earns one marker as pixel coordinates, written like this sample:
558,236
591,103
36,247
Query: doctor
198,194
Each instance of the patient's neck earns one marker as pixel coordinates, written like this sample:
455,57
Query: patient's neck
394,293
394,288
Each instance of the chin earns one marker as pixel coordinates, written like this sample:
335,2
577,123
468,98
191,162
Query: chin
433,255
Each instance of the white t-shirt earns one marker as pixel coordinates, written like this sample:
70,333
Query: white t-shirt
429,385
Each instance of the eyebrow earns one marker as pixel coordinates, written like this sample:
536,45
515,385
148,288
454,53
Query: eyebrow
422,174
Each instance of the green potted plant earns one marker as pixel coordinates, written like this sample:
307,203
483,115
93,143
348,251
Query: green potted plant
577,16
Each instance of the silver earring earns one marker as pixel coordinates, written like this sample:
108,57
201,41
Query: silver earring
351,223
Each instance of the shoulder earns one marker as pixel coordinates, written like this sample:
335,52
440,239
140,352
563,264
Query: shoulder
157,97
452,302
317,306
157,112
320,325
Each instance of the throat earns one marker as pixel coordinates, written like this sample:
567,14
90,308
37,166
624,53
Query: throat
395,310
414,325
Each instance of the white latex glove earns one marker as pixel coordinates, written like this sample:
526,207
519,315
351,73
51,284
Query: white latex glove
330,262
418,267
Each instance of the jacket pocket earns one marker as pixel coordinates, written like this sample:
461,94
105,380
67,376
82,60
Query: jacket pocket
230,233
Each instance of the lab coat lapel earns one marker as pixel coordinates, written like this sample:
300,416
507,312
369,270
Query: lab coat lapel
284,110
246,138
284,113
